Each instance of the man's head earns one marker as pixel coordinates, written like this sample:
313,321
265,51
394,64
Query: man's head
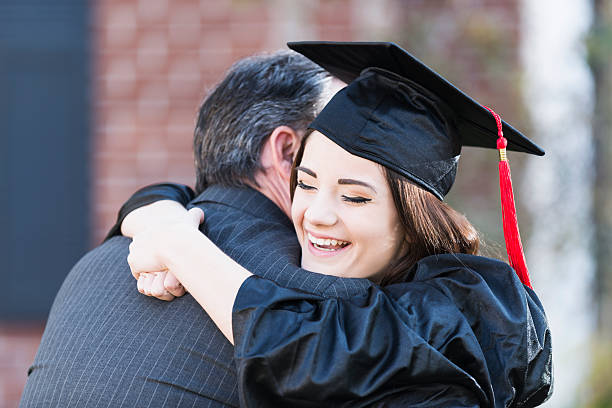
262,94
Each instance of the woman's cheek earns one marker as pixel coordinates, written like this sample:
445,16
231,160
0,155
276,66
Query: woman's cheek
297,212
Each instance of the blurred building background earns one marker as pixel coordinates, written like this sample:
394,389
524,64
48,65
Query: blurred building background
99,98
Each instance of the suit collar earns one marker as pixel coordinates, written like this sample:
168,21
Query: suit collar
245,199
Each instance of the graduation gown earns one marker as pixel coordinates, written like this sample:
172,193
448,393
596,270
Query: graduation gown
462,331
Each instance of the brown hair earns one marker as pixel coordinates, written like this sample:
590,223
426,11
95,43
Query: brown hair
430,225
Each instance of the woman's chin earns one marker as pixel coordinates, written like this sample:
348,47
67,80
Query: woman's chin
326,265
326,269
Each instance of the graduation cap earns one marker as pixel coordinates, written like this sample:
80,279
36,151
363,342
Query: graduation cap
400,113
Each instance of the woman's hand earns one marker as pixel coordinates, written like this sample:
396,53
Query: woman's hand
151,249
210,276
157,213
162,285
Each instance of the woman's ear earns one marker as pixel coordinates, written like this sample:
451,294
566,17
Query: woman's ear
284,142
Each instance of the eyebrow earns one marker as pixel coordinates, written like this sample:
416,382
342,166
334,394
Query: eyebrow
343,181
357,182
307,171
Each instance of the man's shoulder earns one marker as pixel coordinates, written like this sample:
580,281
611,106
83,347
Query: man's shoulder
110,257
110,254
108,261
261,245
101,334
244,219
239,204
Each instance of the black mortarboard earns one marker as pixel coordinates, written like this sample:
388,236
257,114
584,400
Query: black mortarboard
346,61
397,123
398,112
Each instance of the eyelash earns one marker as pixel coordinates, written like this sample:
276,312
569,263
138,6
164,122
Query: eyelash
353,200
356,200
303,186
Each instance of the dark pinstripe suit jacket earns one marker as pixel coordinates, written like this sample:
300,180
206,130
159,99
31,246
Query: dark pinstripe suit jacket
105,345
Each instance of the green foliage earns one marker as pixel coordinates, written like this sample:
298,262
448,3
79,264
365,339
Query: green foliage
599,44
599,51
600,390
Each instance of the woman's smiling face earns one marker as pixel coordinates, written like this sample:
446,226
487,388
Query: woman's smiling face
343,213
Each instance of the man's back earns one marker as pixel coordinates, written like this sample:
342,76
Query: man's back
107,345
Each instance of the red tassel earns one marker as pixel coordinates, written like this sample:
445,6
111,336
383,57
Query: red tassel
514,247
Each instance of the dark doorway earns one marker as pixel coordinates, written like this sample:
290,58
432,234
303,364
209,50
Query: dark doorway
44,150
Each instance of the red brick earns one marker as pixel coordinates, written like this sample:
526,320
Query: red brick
216,11
115,167
335,32
152,11
18,344
184,79
184,26
242,37
245,12
152,52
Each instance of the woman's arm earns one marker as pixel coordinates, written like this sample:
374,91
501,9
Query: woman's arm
149,205
211,277
450,333
155,202
141,218
300,347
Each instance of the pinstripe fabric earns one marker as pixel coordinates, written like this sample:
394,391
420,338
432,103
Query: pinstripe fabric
105,345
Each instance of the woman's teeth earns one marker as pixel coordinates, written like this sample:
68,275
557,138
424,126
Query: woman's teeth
327,244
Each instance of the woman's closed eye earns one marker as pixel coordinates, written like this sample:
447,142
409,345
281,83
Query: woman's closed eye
356,200
350,199
305,186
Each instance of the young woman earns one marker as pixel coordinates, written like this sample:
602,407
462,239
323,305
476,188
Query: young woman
444,328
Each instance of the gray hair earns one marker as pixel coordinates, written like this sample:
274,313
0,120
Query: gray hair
257,95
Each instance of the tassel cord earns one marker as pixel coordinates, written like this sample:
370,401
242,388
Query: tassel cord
514,247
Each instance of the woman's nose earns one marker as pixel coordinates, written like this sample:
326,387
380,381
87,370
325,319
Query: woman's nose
320,212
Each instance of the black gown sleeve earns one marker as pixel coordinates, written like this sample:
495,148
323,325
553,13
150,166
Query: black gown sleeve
150,194
296,349
443,339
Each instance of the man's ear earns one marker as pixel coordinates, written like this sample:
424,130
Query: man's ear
283,144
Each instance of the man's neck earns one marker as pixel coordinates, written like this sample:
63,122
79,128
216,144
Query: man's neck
276,190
